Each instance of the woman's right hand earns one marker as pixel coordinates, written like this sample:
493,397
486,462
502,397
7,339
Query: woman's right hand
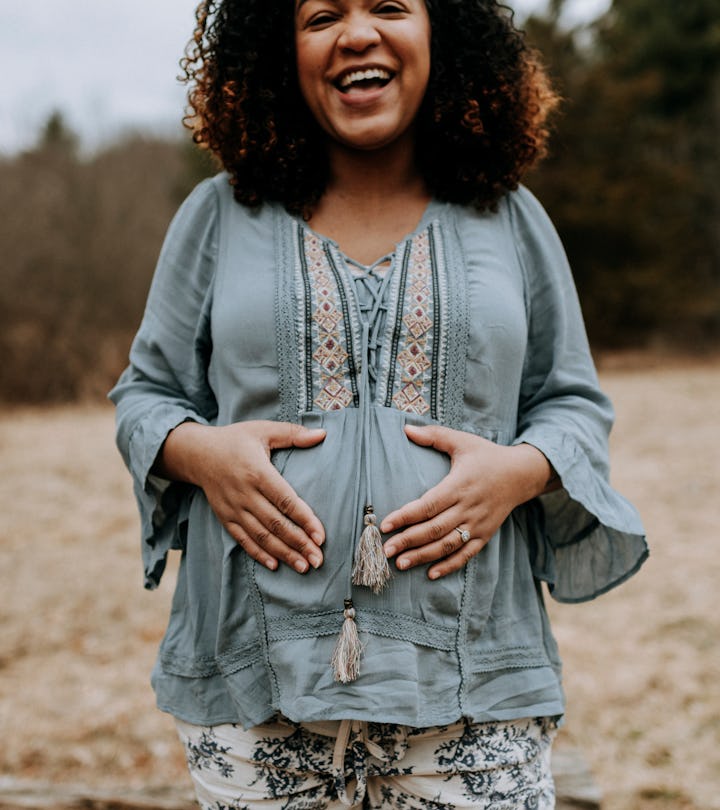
250,498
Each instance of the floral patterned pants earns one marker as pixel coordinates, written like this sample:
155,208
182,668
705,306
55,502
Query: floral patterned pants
281,765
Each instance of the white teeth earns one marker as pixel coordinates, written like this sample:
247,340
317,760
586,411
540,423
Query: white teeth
364,75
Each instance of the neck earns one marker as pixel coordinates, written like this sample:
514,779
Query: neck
374,175
373,200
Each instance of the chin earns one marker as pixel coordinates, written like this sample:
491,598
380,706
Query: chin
369,143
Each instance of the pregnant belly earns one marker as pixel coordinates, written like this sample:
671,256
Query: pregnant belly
336,479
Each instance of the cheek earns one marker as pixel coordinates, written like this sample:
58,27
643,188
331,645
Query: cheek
309,72
427,58
305,59
301,65
420,51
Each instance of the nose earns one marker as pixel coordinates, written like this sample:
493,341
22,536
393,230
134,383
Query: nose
359,33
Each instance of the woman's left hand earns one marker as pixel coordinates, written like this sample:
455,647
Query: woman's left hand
485,483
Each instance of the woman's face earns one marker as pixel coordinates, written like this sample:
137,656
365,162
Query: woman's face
363,67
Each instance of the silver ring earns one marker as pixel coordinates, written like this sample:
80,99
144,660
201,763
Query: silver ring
464,534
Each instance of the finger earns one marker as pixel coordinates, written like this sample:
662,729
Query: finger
457,560
287,532
431,552
435,501
263,538
288,434
426,533
284,498
251,547
441,438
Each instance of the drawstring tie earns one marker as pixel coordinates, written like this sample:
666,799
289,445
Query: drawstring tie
353,735
346,656
370,565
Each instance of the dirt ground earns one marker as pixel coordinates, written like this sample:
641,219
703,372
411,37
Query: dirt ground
79,633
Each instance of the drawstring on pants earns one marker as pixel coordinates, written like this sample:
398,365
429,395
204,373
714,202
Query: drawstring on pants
353,735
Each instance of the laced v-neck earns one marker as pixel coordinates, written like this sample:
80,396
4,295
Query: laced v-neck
371,287
371,283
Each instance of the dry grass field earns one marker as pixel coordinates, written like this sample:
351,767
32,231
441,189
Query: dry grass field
642,664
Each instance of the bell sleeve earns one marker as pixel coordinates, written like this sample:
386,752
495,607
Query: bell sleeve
166,381
585,538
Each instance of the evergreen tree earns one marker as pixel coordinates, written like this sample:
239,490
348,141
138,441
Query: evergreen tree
57,136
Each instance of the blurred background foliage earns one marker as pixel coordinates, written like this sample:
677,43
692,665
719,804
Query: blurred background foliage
633,179
632,183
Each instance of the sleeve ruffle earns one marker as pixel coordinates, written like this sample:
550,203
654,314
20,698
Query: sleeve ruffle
163,505
585,538
166,381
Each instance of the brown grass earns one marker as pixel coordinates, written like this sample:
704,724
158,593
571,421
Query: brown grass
642,664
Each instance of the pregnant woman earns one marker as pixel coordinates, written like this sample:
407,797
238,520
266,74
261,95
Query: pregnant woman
362,405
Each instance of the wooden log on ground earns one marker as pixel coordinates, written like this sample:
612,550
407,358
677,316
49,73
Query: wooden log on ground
574,784
27,795
576,790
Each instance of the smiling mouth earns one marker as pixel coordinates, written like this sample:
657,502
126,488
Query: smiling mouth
370,79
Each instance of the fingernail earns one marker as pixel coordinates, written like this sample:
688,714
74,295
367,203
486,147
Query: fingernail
271,565
301,566
386,526
434,575
315,560
318,538
403,564
390,551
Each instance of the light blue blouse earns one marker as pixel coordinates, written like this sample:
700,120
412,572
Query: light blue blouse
476,325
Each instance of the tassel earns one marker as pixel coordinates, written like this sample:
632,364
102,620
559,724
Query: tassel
346,657
371,565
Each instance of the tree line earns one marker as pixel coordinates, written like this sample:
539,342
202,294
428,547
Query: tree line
632,184
78,242
633,180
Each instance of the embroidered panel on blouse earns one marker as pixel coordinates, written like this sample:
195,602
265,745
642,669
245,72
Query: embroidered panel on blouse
413,362
412,358
324,326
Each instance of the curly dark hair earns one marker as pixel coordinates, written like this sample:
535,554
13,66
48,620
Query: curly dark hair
482,124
